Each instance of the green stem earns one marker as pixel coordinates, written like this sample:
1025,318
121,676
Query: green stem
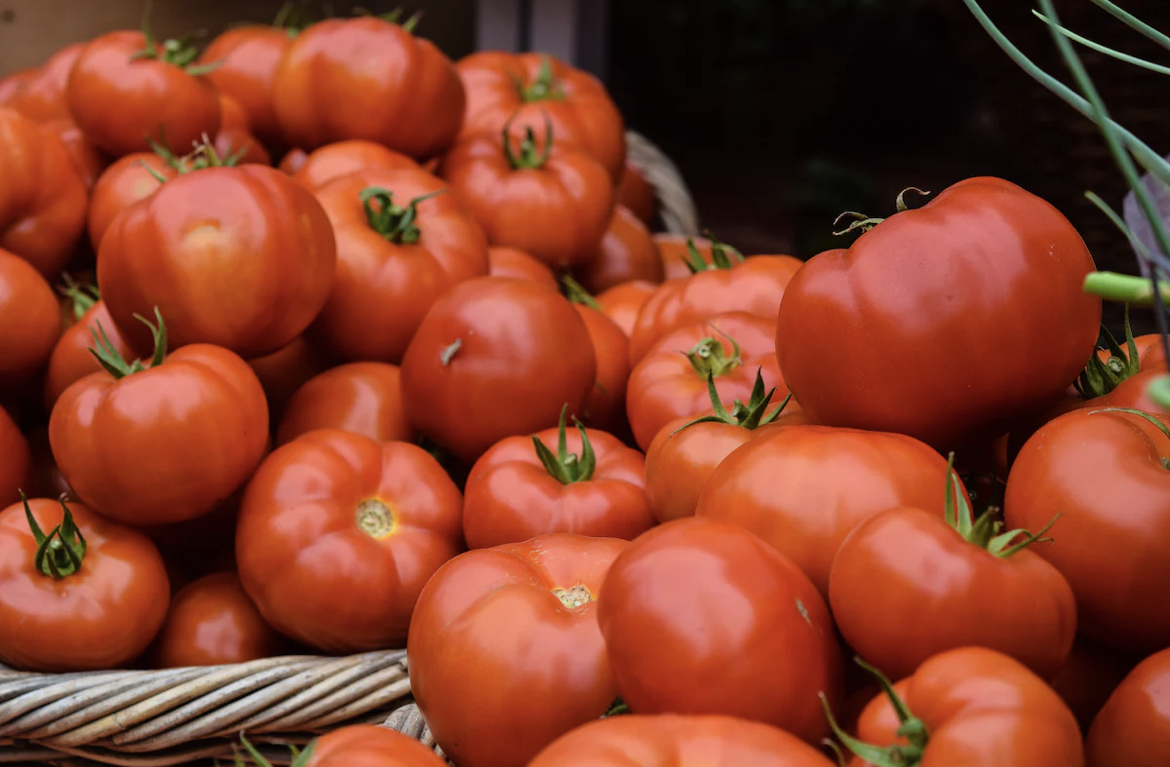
300,758
81,297
567,467
1101,377
1120,56
526,156
577,294
750,416
60,553
112,361
1140,414
545,87
911,728
393,223
708,357
1124,287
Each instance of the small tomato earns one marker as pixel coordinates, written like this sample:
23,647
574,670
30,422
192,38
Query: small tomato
360,398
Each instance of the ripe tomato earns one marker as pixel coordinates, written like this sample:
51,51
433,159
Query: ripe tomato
1133,729
702,617
342,158
12,84
367,745
240,147
126,90
283,373
535,87
293,161
42,199
30,322
128,180
212,622
41,96
187,428
323,90
804,488
338,533
623,302
1105,472
606,407
361,398
985,262
15,459
401,243
495,358
626,253
67,610
552,678
88,160
509,262
637,193
71,358
239,257
675,253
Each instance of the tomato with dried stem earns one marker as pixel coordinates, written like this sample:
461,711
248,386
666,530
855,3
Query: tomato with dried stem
30,322
510,262
621,303
342,158
626,253
1133,728
361,398
15,459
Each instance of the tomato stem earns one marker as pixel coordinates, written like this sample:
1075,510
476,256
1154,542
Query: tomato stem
618,708
113,362
180,52
526,156
708,357
1138,291
577,294
912,729
449,352
81,297
750,416
394,223
544,87
1101,377
723,256
60,553
299,758
566,467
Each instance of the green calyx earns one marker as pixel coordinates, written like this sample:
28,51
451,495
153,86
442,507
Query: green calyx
180,53
393,17
750,416
113,362
60,553
394,223
708,357
204,155
723,256
300,758
1101,377
577,294
81,297
526,156
567,467
544,87
986,532
865,223
911,728
294,17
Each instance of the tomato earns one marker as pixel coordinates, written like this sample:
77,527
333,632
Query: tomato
323,90
42,200
126,90
338,533
675,254
367,745
128,180
702,617
361,398
283,373
402,242
623,302
804,488
626,253
293,161
671,381
68,611
509,262
1105,472
15,459
535,87
41,96
30,322
1133,729
549,678
985,272
212,622
606,407
545,197
241,148
637,193
1089,677
13,83
71,359
239,257
164,441
341,158
495,358
88,160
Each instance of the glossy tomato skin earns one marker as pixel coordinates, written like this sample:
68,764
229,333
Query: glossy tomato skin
188,433
702,617
1133,729
212,622
361,398
42,200
637,193
1103,472
30,321
128,180
606,408
246,59
41,96
510,262
88,160
283,373
322,91
523,354
78,623
985,268
623,302
551,674
626,253
367,745
383,288
71,359
672,249
15,460
804,488
240,257
120,101
341,158
337,535
242,146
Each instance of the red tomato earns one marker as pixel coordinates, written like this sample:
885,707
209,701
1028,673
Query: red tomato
15,459
283,373
239,257
41,96
361,398
128,180
367,745
125,90
323,90
702,617
1089,677
232,114
69,611
985,272
293,161
71,358
496,358
1133,729
804,488
401,243
42,199
12,84
637,193
623,302
88,160
1105,471
30,322
675,255
338,534
212,622
606,407
342,158
240,148
551,674
626,253
509,262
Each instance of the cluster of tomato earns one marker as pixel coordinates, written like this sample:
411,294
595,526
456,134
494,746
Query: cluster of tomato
325,407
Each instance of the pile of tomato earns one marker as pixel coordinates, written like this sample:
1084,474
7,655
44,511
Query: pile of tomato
625,498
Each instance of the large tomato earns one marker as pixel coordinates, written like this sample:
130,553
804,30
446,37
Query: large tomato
1105,472
30,322
361,397
548,676
283,373
367,745
15,459
626,253
637,193
41,96
344,157
1133,729
93,600
495,358
239,257
338,533
402,241
128,180
944,294
71,358
367,78
510,262
623,302
702,617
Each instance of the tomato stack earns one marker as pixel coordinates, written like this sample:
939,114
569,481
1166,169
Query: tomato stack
432,383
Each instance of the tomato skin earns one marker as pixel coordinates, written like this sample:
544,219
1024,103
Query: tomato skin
42,200
322,91
41,96
13,83
383,288
623,302
1133,729
524,354
283,373
30,321
678,587
672,249
982,709
1103,472
626,253
154,98
78,623
212,622
510,262
367,745
342,158
242,145
88,160
247,58
187,434
71,359
638,194
121,185
552,679
15,459
240,257
803,489
606,407
293,161
361,398
313,570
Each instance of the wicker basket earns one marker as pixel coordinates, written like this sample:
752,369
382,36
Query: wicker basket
193,716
